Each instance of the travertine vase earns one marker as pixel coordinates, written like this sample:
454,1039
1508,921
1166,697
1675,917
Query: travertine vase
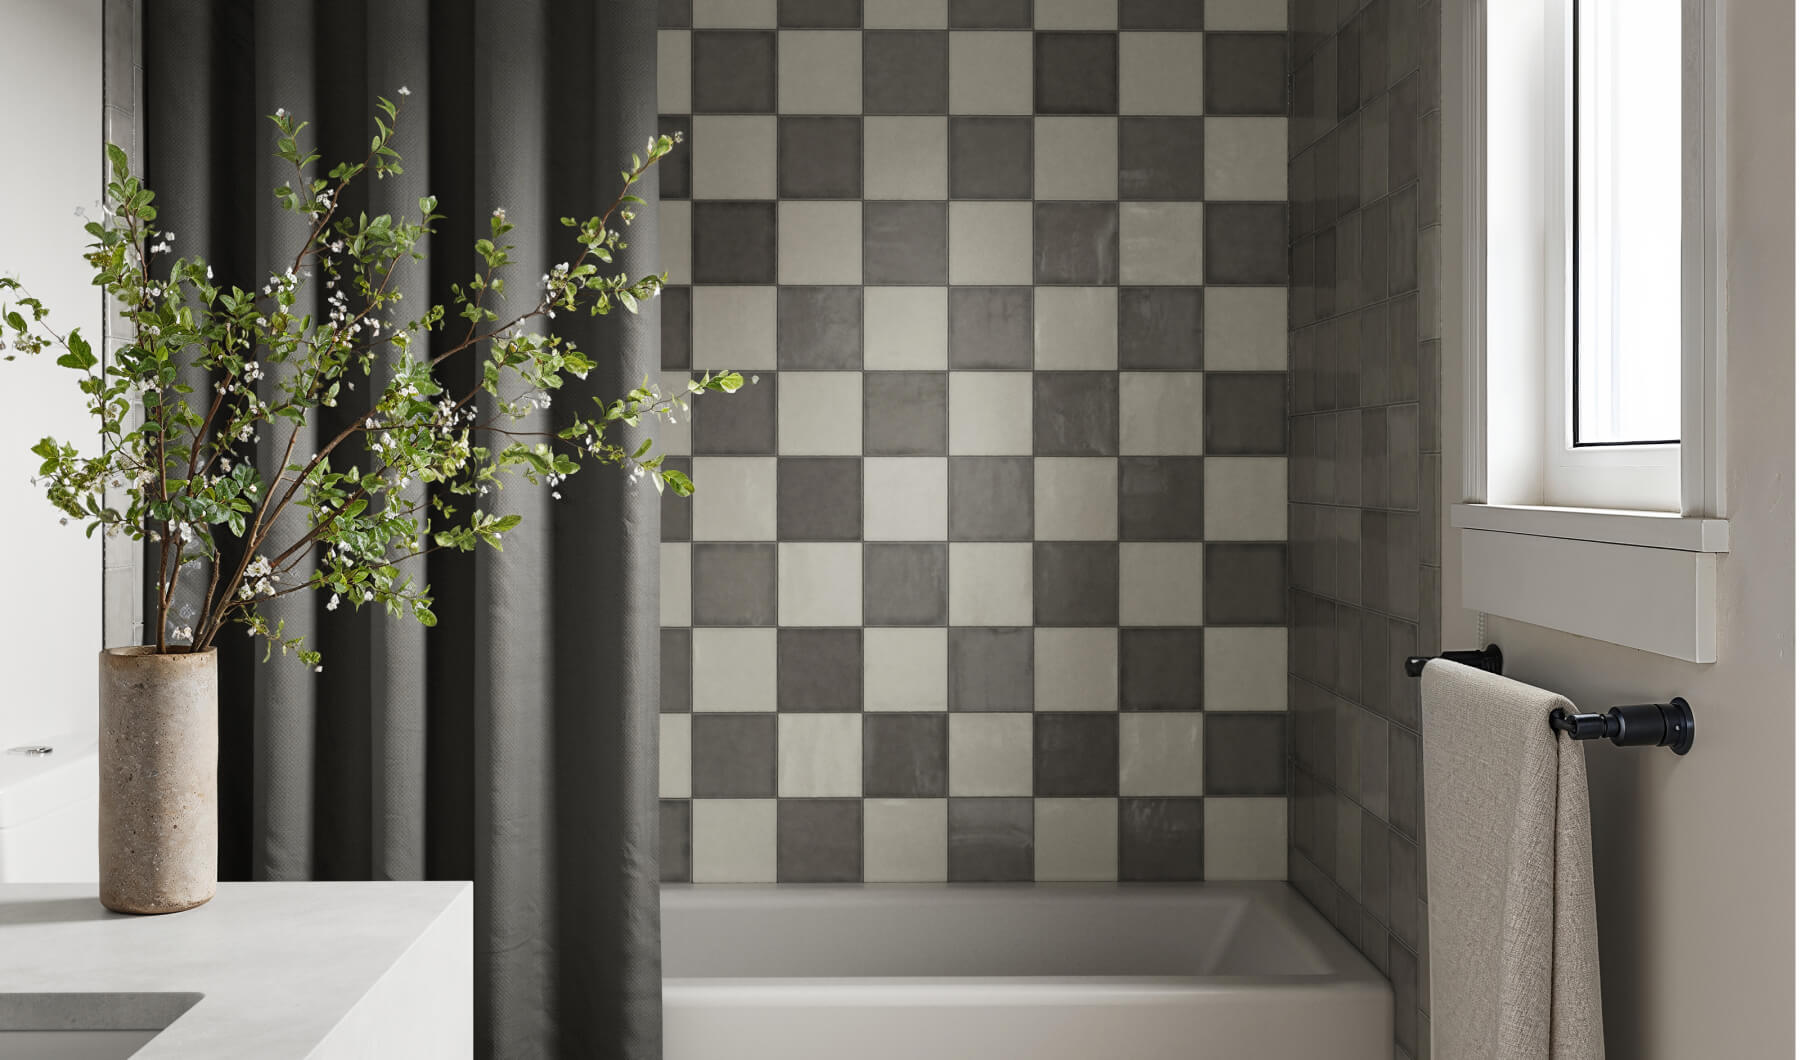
159,792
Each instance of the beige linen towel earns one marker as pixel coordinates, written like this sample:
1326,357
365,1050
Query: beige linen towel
1515,964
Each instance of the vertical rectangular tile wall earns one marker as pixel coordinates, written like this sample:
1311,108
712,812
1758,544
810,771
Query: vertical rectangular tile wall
1365,564
986,577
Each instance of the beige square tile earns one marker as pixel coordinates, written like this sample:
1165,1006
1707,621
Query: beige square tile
1246,159
821,414
1245,839
1159,413
675,756
675,239
905,158
1076,14
819,584
734,14
1246,498
738,503
990,413
1246,329
820,72
906,328
1076,498
1161,243
1159,583
1075,669
905,669
1076,840
677,588
906,14
734,156
990,584
734,669
1076,328
674,71
906,840
820,756
990,72
1246,668
1076,158
990,242
675,437
734,327
990,754
820,242
734,840
1264,15
905,498
1161,73
1159,754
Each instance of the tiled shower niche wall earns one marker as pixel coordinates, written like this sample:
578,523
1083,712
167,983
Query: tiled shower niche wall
1366,437
986,577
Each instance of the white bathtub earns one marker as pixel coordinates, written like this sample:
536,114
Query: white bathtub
994,971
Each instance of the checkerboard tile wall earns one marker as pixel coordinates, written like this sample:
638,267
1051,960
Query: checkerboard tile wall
986,576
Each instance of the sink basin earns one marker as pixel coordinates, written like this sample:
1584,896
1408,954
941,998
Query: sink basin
85,1026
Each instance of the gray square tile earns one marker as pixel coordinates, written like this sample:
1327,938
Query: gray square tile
1246,754
1406,885
1246,242
990,327
1160,669
677,670
990,498
990,158
734,242
740,424
1404,791
677,841
906,756
1374,893
1161,158
1161,327
1075,583
906,413
1076,73
678,512
819,14
818,670
906,72
734,585
1246,73
734,71
1161,14
1246,585
1075,413
675,173
734,756
818,841
1246,413
1161,498
820,498
906,584
677,307
1075,755
906,243
819,158
990,14
1160,840
990,840
818,328
674,14
1075,243
990,669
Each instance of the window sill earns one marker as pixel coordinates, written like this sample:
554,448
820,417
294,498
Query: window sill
1641,579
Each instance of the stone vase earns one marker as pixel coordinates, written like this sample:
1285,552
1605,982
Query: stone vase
159,792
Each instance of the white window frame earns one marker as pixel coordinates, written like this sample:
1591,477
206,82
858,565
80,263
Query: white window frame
1650,567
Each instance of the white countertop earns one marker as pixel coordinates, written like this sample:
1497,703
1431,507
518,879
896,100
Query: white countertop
280,967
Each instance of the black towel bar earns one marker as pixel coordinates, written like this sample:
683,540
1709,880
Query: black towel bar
1668,724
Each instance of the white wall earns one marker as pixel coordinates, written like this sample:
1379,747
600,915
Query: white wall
50,626
1695,855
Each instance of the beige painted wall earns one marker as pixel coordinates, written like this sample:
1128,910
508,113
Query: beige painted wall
1695,855
50,83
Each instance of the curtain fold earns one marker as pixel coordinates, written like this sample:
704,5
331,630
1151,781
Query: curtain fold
515,743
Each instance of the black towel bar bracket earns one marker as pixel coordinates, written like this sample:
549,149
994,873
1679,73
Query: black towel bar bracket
1668,724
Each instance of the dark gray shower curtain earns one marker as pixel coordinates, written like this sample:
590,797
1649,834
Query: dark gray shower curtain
515,743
